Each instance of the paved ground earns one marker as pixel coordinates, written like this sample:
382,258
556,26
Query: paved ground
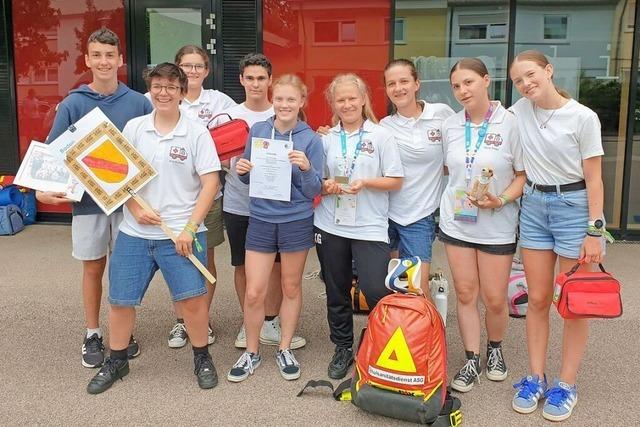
43,382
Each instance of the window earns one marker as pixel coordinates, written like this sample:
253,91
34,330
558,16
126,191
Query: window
334,32
399,31
555,27
482,27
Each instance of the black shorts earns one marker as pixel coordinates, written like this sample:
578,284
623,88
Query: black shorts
508,249
237,226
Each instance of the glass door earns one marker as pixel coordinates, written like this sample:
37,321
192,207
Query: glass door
160,27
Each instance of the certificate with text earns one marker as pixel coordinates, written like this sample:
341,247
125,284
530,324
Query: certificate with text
271,172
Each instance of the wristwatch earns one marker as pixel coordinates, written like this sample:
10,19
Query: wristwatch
597,223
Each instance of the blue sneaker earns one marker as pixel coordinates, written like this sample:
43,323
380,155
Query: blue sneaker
561,399
530,390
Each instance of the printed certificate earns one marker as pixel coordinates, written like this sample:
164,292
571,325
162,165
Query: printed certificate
41,170
271,172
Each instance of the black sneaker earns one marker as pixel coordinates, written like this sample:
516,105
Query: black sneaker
133,349
466,377
288,365
92,351
339,366
496,367
112,370
205,371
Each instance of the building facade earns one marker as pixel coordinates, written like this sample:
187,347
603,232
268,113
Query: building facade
593,45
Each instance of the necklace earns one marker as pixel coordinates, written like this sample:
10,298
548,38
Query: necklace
543,125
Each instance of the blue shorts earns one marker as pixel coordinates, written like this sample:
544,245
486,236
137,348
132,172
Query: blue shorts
134,262
414,239
271,237
554,221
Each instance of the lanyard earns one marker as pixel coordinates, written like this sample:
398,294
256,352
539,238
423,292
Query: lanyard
343,140
482,132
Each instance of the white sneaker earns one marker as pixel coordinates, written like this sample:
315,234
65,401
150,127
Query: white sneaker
178,336
241,339
270,335
211,337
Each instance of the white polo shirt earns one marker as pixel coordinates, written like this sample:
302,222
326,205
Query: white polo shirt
378,157
420,144
501,151
553,153
236,193
180,158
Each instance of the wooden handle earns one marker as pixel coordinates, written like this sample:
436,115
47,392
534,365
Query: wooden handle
170,234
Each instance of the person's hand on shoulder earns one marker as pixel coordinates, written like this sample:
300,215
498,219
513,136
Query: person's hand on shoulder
323,130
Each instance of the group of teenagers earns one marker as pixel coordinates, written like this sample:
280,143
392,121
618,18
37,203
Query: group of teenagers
379,183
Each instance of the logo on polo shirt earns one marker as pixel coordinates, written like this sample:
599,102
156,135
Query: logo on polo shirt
367,146
205,114
177,154
494,139
434,135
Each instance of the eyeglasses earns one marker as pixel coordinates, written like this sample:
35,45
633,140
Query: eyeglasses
170,89
188,67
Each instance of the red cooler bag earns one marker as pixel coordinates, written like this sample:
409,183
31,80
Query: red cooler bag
587,294
230,137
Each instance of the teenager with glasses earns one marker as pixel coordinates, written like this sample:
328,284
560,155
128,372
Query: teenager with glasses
201,105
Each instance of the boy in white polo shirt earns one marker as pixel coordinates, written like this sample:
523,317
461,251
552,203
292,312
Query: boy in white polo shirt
183,154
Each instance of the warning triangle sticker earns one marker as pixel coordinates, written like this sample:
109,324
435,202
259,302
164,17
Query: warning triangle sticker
396,354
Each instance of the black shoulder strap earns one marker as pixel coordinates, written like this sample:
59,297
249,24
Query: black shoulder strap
342,392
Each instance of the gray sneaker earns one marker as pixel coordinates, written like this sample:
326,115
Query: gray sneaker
270,335
178,336
464,380
241,339
288,365
244,367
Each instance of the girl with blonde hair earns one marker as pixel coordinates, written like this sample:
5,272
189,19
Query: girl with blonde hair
362,165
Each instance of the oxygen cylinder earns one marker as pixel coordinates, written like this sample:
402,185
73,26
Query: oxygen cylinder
439,288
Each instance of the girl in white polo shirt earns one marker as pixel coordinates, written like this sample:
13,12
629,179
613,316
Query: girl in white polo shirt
561,220
362,166
417,127
478,227
201,105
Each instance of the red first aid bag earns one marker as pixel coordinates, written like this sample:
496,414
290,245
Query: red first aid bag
230,137
587,294
401,365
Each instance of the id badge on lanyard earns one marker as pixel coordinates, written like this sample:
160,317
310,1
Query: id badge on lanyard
346,204
463,209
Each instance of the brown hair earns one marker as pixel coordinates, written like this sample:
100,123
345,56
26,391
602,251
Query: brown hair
541,60
295,81
105,36
191,48
472,64
354,79
169,71
405,63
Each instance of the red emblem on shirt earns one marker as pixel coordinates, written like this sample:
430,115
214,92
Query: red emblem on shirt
493,139
434,135
367,146
205,114
178,153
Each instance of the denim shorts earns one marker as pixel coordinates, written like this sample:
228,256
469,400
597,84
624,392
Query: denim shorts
268,237
134,262
414,239
554,221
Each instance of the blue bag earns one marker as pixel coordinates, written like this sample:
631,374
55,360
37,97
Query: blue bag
10,195
11,220
29,207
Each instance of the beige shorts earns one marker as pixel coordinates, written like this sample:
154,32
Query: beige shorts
213,222
93,236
